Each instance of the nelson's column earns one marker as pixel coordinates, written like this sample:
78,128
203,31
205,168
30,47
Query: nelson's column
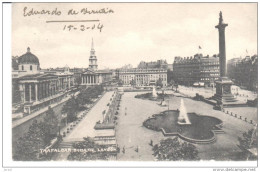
223,84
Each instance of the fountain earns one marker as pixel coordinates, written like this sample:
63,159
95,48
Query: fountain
154,92
183,118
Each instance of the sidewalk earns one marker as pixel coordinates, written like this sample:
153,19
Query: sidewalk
85,128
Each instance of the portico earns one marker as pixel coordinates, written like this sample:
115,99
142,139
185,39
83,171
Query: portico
39,90
90,79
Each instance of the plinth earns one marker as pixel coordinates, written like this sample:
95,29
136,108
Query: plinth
223,91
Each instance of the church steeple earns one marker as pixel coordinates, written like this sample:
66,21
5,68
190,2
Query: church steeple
92,45
92,59
92,51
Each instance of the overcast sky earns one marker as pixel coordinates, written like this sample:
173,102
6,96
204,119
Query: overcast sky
134,32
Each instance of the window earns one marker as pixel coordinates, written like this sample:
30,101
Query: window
30,67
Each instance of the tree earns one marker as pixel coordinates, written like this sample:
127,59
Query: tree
77,80
27,148
176,86
169,75
71,108
159,83
247,142
175,150
132,83
172,83
51,121
120,82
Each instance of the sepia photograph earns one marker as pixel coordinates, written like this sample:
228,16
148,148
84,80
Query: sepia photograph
138,82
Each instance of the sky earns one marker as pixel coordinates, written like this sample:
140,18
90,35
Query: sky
134,32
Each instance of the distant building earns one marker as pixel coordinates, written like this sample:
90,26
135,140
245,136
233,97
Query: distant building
244,71
93,76
153,64
198,70
128,66
143,77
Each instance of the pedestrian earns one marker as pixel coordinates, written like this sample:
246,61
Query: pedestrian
136,149
123,150
151,143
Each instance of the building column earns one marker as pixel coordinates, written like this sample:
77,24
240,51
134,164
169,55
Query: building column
42,90
59,84
24,97
45,90
87,79
49,90
82,79
69,82
30,93
39,92
36,92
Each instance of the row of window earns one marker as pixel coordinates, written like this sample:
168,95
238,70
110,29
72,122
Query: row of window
31,68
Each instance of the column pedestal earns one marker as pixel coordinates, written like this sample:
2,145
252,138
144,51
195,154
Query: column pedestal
223,91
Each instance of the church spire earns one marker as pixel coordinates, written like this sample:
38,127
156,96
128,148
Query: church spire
92,44
92,51
92,59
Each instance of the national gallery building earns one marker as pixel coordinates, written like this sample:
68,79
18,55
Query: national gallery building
33,89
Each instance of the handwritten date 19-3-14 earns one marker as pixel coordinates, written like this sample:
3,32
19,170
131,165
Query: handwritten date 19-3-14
98,27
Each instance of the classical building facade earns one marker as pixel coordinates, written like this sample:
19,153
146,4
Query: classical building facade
36,88
142,77
243,71
196,70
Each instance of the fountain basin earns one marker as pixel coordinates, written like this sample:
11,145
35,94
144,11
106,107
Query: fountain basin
201,130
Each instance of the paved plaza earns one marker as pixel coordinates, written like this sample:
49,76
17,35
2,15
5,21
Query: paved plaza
130,132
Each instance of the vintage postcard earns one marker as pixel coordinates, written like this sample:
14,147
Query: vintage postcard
150,82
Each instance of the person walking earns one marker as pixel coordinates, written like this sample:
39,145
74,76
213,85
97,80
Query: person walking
123,150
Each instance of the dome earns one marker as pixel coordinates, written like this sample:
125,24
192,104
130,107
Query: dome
28,58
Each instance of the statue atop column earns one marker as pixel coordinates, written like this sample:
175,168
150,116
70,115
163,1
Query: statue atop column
220,18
